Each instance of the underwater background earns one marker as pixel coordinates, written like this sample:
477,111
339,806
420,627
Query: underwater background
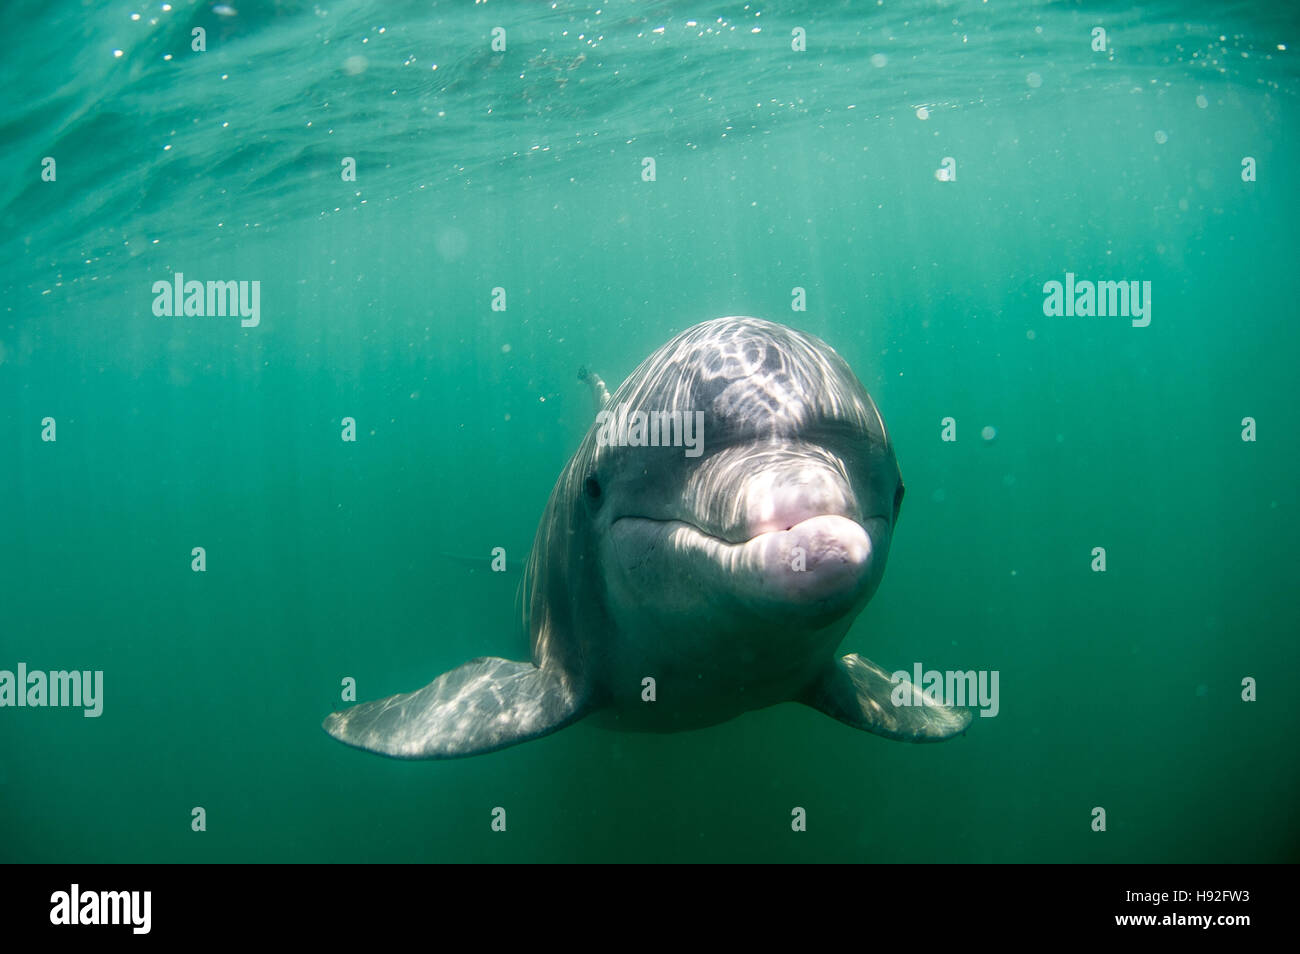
920,170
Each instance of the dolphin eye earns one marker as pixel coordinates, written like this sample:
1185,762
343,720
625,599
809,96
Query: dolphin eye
591,486
898,500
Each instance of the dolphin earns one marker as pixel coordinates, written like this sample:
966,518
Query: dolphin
703,553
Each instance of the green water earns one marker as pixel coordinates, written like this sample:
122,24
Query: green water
522,170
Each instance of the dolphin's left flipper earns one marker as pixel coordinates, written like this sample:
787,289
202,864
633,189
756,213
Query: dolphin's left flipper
484,705
858,692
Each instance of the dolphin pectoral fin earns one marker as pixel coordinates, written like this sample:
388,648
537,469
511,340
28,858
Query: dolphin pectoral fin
484,705
858,692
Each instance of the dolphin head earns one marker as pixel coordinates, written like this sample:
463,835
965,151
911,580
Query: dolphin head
764,520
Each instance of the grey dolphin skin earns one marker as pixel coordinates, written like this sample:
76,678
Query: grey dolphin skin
704,552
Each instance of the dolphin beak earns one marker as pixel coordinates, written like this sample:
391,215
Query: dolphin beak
814,571
818,563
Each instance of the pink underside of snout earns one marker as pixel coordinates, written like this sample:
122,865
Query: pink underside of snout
821,558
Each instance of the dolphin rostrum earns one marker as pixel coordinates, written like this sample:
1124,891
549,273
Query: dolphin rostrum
704,552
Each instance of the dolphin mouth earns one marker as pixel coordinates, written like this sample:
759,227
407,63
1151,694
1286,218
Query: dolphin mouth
819,565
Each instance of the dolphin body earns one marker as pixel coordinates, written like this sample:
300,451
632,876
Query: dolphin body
672,588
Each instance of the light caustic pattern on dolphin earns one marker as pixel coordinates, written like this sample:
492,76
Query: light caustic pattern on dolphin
728,577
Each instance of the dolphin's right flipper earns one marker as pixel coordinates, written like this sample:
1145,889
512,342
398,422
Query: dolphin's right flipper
858,692
485,705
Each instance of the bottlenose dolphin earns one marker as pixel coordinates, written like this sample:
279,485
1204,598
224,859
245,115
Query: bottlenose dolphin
679,579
